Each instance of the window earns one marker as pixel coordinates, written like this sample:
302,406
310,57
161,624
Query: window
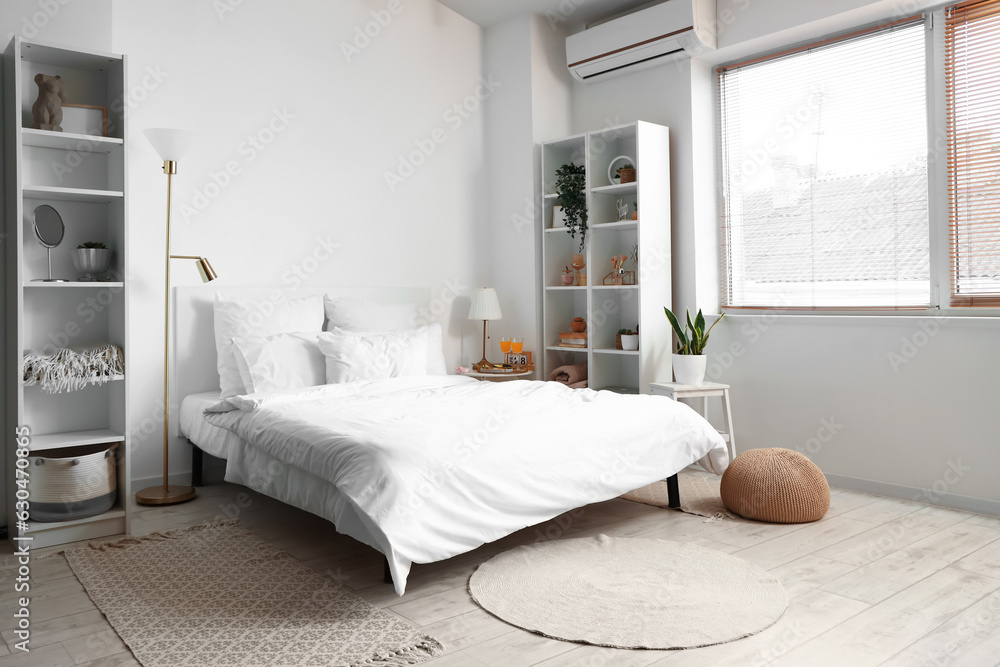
972,96
824,159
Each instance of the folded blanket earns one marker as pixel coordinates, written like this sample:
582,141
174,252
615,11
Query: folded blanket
570,374
73,369
579,385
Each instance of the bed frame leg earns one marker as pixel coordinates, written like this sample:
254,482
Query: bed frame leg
196,465
386,573
673,492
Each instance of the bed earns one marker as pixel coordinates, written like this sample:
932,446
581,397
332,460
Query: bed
423,467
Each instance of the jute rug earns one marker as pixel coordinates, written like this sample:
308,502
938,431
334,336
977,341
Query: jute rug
699,495
629,592
217,595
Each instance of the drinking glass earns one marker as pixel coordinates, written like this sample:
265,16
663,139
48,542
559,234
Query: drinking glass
517,344
505,343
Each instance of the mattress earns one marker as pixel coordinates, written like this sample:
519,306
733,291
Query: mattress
209,438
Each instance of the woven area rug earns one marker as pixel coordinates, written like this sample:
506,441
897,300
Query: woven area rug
629,592
699,495
217,595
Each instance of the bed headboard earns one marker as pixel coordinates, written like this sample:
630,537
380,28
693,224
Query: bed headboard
194,358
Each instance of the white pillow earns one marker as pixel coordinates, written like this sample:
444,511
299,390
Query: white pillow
352,356
238,317
354,315
279,362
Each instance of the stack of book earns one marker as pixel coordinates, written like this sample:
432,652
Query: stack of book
571,339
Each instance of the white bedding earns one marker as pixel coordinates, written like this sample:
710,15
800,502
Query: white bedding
434,466
209,438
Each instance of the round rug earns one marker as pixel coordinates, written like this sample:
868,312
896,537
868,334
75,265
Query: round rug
629,592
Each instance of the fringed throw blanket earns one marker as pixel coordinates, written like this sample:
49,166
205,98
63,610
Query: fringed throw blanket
73,369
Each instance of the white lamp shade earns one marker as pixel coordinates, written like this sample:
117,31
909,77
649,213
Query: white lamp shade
485,305
171,144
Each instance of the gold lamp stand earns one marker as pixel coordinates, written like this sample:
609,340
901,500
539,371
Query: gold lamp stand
169,494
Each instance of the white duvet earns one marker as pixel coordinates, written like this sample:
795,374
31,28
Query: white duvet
435,466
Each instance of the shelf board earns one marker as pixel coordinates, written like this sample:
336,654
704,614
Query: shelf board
618,224
616,287
562,288
609,350
618,188
71,194
75,283
38,443
565,349
113,378
556,229
69,141
551,195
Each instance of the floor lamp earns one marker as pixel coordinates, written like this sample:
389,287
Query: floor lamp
485,307
171,145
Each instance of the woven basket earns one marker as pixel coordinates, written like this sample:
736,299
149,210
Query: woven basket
626,175
776,485
73,483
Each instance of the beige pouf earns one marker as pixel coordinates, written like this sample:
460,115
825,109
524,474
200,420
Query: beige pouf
777,485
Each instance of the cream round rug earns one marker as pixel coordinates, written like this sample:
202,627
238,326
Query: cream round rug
629,592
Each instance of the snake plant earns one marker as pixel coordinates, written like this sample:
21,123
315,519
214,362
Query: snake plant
695,341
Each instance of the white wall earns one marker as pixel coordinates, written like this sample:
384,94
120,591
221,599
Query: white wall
891,405
533,105
328,130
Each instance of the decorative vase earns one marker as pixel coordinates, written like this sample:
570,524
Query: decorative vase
568,278
578,325
630,341
578,265
690,368
92,262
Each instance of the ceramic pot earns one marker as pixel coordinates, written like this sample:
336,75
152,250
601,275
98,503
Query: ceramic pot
578,325
690,368
630,341
92,262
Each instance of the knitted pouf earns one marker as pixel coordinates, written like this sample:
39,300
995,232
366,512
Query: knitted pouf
776,485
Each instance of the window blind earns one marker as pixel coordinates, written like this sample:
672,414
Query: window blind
824,170
972,93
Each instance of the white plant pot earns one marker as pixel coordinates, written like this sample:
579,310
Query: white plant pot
690,368
630,342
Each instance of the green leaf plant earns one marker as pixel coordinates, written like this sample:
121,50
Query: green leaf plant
571,188
693,337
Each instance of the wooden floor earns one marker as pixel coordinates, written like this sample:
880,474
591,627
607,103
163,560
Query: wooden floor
877,581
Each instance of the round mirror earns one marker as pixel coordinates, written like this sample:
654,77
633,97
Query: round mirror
49,226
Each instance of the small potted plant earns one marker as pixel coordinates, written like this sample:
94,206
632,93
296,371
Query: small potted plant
626,173
92,259
627,339
689,360
635,210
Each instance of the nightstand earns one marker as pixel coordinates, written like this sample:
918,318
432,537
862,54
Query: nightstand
676,390
498,377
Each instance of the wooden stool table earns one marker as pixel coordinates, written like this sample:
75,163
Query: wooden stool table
676,390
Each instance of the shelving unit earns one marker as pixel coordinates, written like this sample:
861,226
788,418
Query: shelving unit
83,177
608,308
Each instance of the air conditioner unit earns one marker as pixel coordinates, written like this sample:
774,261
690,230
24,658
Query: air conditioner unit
659,34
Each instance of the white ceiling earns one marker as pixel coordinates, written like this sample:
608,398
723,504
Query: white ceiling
575,12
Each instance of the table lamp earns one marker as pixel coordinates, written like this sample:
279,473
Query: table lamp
485,307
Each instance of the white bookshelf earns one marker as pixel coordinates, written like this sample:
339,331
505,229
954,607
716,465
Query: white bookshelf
608,308
90,196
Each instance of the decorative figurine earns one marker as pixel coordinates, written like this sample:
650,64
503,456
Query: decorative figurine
47,109
622,209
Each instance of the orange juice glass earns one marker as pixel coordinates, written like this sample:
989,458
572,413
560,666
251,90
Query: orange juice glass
517,345
505,343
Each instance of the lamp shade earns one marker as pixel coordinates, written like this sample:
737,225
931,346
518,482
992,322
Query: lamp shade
485,305
171,144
